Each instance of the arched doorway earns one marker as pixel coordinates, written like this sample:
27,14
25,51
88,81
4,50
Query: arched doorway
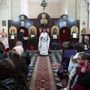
64,35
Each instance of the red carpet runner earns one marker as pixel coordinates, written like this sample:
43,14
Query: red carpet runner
42,78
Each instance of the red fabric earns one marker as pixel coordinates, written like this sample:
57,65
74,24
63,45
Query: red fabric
88,67
79,69
6,50
64,35
78,87
78,72
42,78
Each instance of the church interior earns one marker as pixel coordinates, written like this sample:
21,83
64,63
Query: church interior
44,44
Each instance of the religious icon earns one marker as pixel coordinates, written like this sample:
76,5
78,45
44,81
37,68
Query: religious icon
12,29
43,19
64,23
74,31
54,32
3,23
64,17
22,23
83,30
12,32
32,31
43,16
22,17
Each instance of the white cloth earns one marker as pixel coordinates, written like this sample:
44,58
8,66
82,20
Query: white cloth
76,56
43,45
19,49
72,68
5,42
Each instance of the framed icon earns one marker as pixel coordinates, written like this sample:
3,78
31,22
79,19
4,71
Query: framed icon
22,17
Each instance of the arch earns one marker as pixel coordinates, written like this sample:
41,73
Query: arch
44,20
23,17
43,14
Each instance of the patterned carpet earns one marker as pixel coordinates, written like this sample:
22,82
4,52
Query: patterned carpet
43,71
42,78
55,63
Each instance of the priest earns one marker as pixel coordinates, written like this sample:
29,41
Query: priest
44,42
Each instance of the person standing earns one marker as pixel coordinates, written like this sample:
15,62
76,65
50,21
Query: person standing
20,37
44,42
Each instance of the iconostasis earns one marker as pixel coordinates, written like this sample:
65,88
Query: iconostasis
28,30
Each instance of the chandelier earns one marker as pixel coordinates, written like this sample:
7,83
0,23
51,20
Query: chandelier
44,4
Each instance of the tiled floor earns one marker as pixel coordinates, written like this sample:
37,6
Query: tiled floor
55,62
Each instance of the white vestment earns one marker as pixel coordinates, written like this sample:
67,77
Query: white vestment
43,45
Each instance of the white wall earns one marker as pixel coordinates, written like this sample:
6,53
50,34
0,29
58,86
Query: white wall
5,13
55,8
24,7
71,10
15,9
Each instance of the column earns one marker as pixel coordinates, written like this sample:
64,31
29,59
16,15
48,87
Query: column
89,16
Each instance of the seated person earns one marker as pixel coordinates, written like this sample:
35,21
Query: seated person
2,51
13,69
82,70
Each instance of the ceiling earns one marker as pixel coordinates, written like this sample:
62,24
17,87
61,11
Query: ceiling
46,0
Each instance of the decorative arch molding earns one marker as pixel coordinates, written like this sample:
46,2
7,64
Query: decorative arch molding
23,17
40,15
43,19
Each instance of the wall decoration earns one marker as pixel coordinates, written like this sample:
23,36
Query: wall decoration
22,17
74,32
55,30
12,32
22,23
3,22
83,30
43,19
74,29
32,31
64,17
12,29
